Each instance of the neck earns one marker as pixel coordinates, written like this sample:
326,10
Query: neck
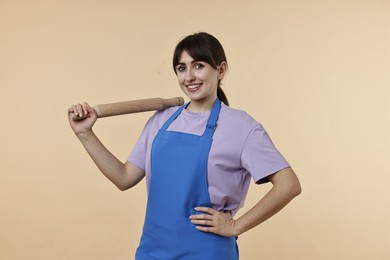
203,105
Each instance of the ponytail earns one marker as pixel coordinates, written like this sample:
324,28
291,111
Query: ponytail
221,96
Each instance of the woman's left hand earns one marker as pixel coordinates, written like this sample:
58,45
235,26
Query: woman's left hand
214,221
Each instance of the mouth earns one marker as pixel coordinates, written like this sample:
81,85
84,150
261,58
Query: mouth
194,87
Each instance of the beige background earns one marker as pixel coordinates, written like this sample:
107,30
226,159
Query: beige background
314,73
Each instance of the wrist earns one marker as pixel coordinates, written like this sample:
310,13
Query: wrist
83,136
237,227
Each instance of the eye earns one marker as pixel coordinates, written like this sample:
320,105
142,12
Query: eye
180,68
199,66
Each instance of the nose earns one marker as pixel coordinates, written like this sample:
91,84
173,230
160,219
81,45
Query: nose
189,76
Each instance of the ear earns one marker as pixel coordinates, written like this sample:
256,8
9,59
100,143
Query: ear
222,68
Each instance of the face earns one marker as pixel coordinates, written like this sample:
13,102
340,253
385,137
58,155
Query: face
198,80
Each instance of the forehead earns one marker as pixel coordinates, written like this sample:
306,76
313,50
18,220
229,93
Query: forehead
185,58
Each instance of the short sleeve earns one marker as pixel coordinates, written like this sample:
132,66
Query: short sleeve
260,157
138,154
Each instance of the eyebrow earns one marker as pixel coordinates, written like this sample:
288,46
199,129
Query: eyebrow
182,63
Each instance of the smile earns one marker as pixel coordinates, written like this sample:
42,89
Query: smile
194,87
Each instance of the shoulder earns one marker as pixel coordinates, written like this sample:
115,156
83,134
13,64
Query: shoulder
236,118
160,117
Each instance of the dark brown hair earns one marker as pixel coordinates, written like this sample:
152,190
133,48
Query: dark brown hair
203,47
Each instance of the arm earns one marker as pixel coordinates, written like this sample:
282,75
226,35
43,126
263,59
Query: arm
123,175
285,187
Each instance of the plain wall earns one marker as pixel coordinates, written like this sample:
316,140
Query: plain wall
314,73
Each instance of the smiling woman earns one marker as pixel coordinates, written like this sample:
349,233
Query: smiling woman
199,81
193,49
197,174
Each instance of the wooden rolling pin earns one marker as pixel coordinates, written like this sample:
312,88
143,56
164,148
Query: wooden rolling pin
133,106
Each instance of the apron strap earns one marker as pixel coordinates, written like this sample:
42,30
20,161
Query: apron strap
173,117
211,123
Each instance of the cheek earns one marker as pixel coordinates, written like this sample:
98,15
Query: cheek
180,79
210,76
212,79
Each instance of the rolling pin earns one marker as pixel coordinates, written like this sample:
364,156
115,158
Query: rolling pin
133,106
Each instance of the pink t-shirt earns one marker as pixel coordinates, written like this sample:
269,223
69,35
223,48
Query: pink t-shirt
241,149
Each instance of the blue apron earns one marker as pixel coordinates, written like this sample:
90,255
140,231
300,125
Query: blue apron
178,184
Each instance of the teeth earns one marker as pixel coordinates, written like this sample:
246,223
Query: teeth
194,86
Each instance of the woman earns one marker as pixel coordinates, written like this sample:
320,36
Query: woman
198,160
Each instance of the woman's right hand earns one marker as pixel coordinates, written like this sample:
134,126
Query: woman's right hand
84,125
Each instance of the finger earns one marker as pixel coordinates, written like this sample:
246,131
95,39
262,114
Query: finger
79,109
91,110
202,216
70,113
72,110
210,211
85,107
205,229
202,222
